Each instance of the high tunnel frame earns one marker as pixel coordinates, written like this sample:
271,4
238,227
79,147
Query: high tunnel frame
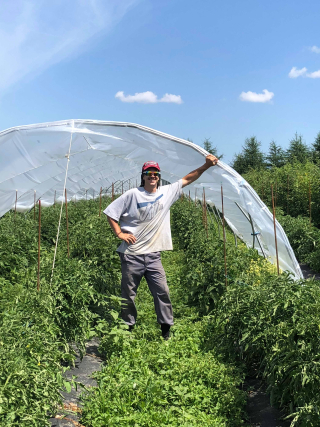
35,158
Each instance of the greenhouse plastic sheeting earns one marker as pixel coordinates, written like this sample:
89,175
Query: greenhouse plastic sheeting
33,163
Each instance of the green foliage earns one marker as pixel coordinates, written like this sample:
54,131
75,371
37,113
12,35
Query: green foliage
36,328
207,145
174,383
291,185
276,156
298,150
262,320
316,149
251,157
304,239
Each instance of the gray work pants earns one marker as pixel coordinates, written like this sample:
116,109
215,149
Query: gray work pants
133,268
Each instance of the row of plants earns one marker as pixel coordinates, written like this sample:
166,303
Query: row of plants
265,322
37,328
295,186
304,238
148,382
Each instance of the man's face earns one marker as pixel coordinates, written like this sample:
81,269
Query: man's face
151,180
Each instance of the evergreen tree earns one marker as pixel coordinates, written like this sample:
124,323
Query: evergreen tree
298,150
207,145
251,157
276,156
316,149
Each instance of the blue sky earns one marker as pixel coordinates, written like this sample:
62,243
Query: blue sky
213,69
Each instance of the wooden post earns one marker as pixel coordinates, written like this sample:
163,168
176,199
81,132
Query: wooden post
15,205
224,239
288,195
275,229
34,205
100,202
310,201
112,196
39,242
65,192
205,218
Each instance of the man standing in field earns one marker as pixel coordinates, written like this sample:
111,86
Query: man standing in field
144,216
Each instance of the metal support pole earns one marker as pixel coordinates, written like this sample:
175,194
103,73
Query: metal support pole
254,233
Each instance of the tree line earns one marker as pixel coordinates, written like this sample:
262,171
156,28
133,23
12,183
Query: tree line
252,157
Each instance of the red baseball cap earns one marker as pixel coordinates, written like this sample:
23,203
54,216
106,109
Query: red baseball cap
150,164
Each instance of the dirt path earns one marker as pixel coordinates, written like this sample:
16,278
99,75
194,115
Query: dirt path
83,369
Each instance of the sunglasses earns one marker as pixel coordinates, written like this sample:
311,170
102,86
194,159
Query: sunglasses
150,173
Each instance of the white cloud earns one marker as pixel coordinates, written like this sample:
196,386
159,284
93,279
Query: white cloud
168,97
294,73
148,98
314,75
266,96
315,49
36,34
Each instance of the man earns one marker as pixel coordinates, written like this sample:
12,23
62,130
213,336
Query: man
145,231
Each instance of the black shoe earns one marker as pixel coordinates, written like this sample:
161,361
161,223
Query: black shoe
165,329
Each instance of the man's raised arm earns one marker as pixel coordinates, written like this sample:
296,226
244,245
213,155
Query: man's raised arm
211,160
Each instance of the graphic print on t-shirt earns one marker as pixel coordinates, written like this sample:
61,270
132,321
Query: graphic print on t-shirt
147,210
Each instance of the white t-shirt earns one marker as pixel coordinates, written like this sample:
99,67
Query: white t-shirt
146,216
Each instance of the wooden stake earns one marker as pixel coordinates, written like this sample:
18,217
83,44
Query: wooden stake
310,201
34,205
100,202
288,195
15,206
275,229
205,218
224,239
39,243
112,196
65,192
